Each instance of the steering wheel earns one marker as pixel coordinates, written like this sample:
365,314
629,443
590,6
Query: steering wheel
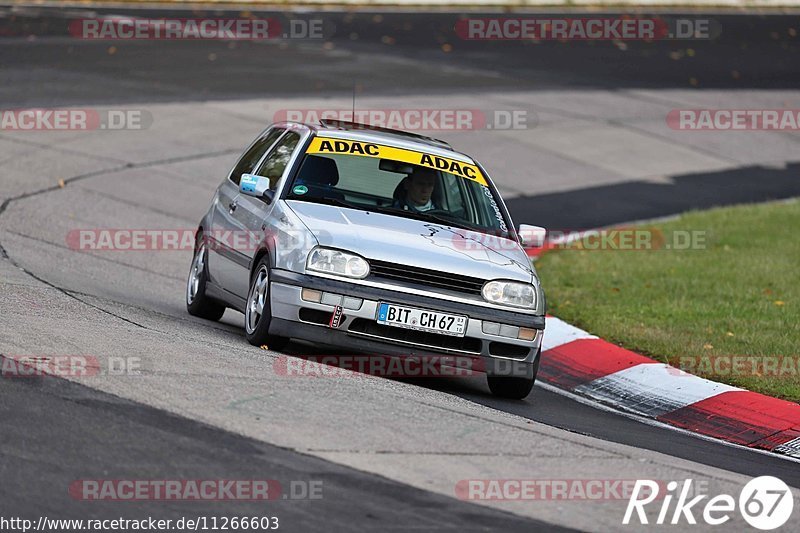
444,212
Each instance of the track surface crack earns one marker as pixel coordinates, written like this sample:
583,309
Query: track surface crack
111,170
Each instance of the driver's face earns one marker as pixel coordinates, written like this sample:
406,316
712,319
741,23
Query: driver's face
420,188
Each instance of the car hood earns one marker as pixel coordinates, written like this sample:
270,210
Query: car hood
413,242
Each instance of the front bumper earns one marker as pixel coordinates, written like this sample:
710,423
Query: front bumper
358,330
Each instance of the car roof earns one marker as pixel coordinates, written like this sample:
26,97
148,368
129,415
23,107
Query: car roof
341,129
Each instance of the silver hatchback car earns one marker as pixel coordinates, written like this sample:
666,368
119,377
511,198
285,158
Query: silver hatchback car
372,240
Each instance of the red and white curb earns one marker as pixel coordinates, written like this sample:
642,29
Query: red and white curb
585,365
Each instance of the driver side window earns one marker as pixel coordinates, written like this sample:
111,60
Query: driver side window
275,163
254,154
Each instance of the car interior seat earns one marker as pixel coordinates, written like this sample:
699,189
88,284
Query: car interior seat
320,174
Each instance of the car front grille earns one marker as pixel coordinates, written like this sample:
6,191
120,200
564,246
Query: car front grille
424,276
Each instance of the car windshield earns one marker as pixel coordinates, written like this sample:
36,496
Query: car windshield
399,182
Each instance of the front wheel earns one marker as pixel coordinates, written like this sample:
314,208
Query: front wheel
197,303
513,387
258,314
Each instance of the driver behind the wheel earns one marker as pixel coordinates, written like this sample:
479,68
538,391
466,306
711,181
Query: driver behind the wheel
418,187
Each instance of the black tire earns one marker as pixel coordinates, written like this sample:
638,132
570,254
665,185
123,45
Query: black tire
197,303
256,324
514,388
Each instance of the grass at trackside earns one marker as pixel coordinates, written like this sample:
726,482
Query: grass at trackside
740,296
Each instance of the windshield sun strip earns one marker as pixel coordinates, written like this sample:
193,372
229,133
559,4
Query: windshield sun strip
331,146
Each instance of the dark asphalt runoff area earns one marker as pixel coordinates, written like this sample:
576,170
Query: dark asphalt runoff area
54,432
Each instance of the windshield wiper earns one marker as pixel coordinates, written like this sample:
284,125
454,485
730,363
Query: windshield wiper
327,200
386,210
424,217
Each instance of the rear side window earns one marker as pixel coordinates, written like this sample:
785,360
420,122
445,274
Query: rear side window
254,154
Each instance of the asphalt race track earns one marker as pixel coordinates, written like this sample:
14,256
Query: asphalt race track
595,150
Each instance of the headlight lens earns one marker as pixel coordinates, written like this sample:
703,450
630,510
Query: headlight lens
337,262
510,293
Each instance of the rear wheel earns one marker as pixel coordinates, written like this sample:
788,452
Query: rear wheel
258,313
197,303
513,387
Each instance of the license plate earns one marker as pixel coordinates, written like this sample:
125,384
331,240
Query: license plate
422,320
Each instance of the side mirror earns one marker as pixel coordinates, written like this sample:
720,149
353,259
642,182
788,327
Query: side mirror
532,236
257,186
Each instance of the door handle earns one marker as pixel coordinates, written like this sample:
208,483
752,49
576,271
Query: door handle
232,206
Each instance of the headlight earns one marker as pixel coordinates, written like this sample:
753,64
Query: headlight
336,262
510,293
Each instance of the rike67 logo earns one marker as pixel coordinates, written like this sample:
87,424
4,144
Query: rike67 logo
765,503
